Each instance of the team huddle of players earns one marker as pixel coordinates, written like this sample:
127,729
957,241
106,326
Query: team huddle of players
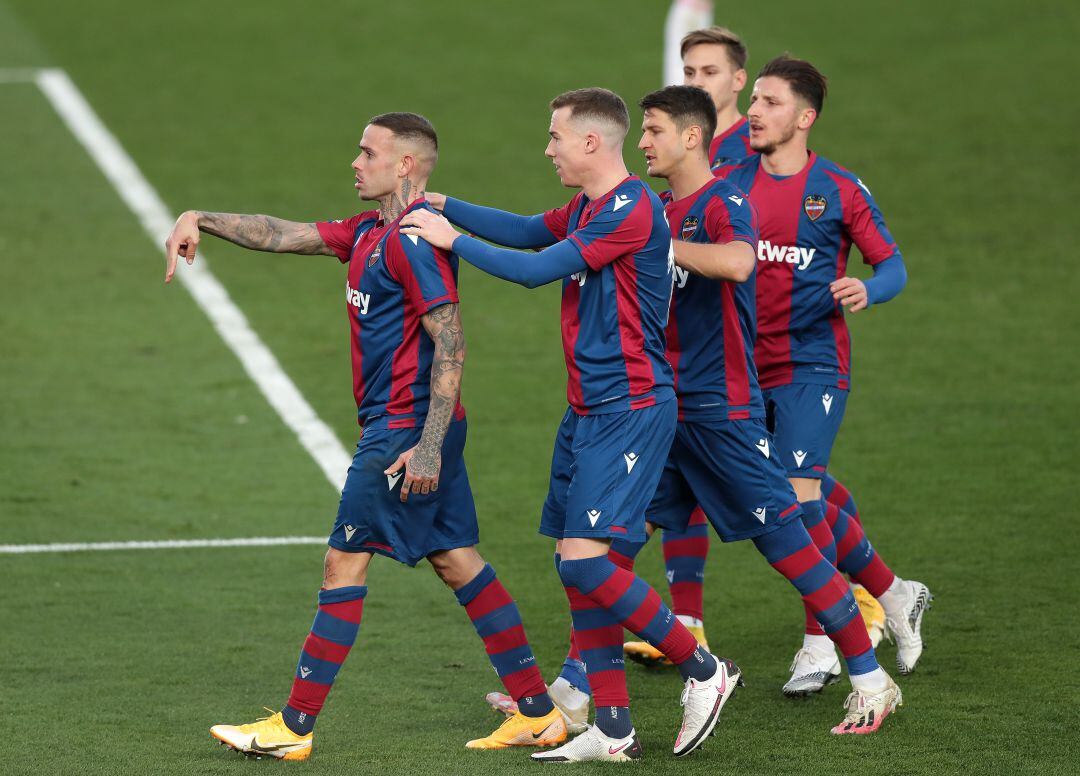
708,371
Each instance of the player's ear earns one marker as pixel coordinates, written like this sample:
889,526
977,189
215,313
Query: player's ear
739,81
692,137
592,142
406,165
807,118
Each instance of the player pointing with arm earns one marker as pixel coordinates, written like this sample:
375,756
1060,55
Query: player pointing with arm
610,246
408,352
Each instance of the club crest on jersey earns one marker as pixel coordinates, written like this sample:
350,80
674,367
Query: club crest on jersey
815,205
689,226
375,255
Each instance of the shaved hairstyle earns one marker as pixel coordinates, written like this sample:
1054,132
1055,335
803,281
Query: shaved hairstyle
413,129
598,106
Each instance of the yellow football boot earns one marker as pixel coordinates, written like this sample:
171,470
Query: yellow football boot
267,736
873,614
645,653
520,730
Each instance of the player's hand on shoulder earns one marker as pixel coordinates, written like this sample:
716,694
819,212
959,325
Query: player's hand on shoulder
436,200
422,464
430,226
183,241
850,292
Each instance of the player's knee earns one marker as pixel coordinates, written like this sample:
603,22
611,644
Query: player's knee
456,568
806,488
342,569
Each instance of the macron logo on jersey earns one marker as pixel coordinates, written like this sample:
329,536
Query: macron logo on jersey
621,200
356,299
787,254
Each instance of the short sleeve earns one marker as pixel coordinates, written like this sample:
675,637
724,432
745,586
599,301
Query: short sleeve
731,217
423,271
340,236
622,226
866,226
558,220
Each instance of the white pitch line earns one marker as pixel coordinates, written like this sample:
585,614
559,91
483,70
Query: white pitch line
209,294
173,544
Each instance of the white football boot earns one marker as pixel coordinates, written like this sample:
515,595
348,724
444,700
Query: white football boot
812,671
568,699
866,711
702,703
593,746
904,610
573,703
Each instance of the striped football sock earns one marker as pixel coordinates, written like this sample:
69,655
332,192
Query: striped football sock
685,553
333,633
792,552
497,621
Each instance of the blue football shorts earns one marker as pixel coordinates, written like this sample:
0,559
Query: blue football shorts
730,469
371,516
604,472
804,420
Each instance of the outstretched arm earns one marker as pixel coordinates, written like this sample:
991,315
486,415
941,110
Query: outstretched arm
423,462
499,226
522,267
257,232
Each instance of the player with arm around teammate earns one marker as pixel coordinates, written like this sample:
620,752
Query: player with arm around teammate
609,246
407,493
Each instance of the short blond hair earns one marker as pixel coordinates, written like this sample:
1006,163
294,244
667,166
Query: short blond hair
717,36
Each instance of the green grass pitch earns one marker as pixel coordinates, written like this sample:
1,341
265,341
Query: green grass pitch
125,416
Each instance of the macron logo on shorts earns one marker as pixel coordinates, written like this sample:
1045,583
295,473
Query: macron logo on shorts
759,513
826,400
593,515
392,479
631,459
349,531
800,456
763,445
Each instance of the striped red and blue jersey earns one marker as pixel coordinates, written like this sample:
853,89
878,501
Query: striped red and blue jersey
807,223
393,281
710,331
731,146
614,313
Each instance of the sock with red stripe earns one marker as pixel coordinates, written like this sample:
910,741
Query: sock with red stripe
818,528
623,553
497,621
790,550
834,492
573,667
333,633
599,637
855,555
629,600
685,553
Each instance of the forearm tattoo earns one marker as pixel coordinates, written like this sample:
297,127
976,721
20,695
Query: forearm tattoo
443,325
264,233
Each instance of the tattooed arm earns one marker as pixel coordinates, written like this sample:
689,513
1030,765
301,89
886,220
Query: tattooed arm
260,233
422,463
